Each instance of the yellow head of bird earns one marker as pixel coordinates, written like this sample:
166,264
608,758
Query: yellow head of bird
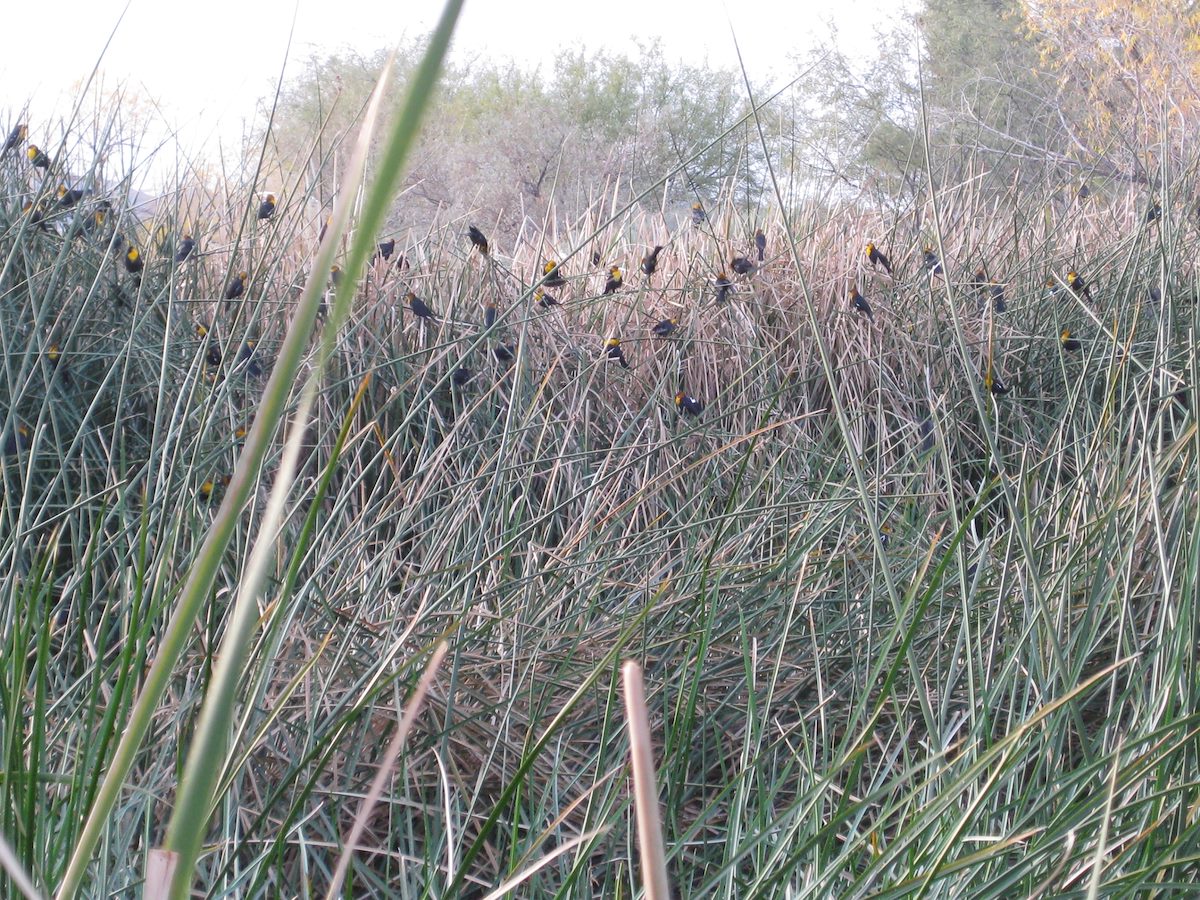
201,330
33,151
132,254
550,266
612,343
1065,336
615,272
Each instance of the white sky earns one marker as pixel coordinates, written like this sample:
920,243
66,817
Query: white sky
204,63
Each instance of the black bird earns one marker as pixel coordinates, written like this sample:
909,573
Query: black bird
39,159
595,257
1154,213
698,214
418,306
68,197
723,285
877,257
461,376
1154,293
324,228
335,275
246,354
212,352
685,402
386,249
489,315
133,260
995,385
1084,191
544,300
477,239
1078,285
186,248
1068,343
14,138
266,209
553,277
36,215
741,265
15,440
236,287
999,304
612,350
650,260
504,353
860,304
614,280
760,241
932,263
666,327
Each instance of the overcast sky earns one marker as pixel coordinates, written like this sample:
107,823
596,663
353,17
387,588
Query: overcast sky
204,64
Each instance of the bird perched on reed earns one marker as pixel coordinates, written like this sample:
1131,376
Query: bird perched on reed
335,275
133,260
504,353
385,249
614,281
666,327
544,299
489,314
860,304
186,248
68,197
14,139
932,263
698,213
36,215
212,351
650,261
248,354
477,238
1154,213
741,265
1068,343
612,350
236,286
266,209
461,376
17,439
877,257
1076,283
596,257
995,385
418,306
723,286
686,403
552,275
760,243
39,159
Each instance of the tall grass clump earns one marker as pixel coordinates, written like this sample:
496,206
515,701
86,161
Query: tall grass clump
900,634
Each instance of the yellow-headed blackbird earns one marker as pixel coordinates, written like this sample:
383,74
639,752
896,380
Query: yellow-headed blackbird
133,260
477,238
553,277
612,350
1154,293
39,159
877,257
335,275
741,265
266,209
17,439
760,241
932,263
186,248
698,214
723,286
650,260
504,353
239,434
324,228
995,385
1084,191
860,304
236,287
1078,285
666,327
386,248
461,376
247,354
685,402
614,280
1053,290
596,257
201,330
209,486
35,215
489,315
53,354
212,354
980,285
14,138
68,197
1154,213
418,306
544,300
1068,343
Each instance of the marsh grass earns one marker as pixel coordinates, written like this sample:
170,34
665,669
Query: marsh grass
1015,715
